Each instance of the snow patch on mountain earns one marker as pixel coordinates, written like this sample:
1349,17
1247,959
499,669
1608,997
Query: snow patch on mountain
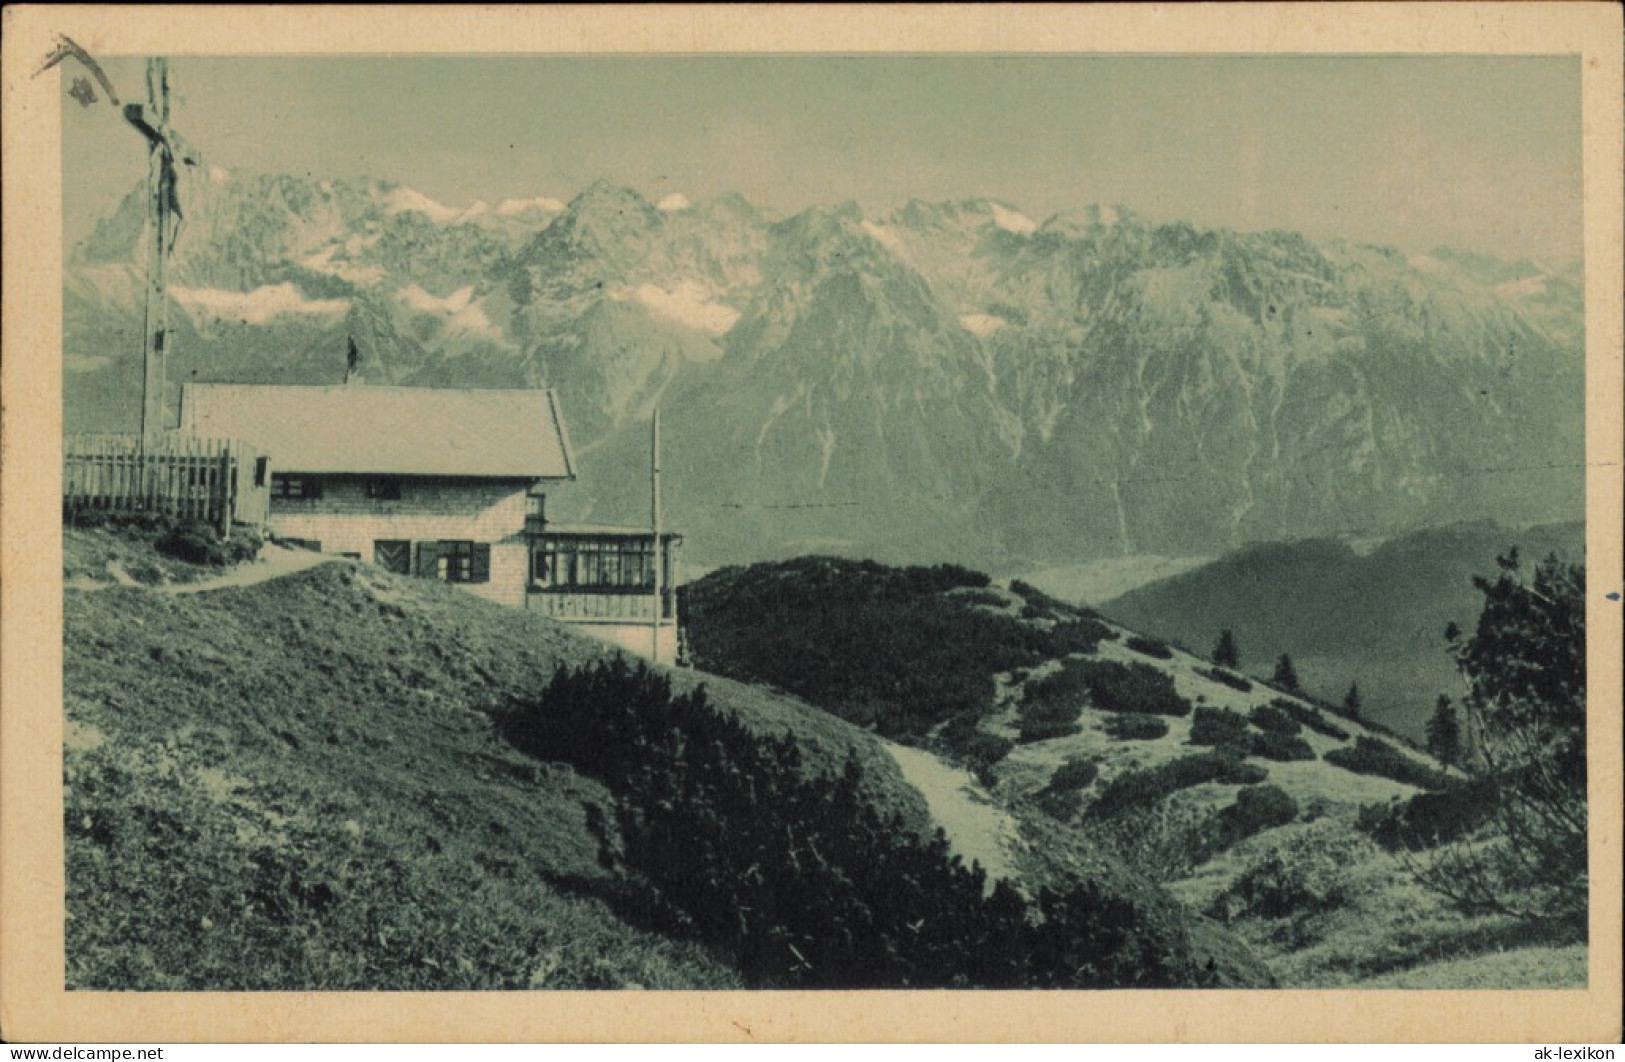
674,202
419,299
687,304
542,204
411,201
324,261
258,306
883,236
1012,220
982,324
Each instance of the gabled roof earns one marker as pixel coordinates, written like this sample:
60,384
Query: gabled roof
387,430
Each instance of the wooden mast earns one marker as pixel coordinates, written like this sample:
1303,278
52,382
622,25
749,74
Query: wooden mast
153,122
654,512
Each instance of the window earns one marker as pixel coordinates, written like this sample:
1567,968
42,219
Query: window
454,561
385,489
295,486
608,565
262,465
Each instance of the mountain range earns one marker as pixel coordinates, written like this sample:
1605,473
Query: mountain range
949,381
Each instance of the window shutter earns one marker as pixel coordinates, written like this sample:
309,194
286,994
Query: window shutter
428,565
480,567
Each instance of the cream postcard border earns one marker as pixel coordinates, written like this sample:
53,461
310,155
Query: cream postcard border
33,1005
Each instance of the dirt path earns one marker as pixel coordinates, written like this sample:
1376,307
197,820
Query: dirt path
977,831
273,563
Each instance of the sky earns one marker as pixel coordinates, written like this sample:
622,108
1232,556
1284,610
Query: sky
1479,153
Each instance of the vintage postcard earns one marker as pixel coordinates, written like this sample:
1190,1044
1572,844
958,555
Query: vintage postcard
801,523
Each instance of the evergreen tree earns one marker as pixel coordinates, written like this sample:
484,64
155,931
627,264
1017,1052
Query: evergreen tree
1352,702
1526,716
1286,677
1444,733
1225,653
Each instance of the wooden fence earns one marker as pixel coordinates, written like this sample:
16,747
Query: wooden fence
215,480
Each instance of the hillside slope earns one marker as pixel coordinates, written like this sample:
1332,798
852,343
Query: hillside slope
310,772
1376,618
341,778
1098,746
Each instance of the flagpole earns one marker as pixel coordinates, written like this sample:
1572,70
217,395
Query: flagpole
654,519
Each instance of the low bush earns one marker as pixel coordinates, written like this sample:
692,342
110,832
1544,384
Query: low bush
1308,873
1369,755
973,747
1310,718
1149,647
1273,720
1081,635
1045,730
1430,819
1124,726
1143,788
1113,687
1220,727
1273,745
888,648
1226,678
1076,773
1041,601
798,879
197,542
1257,808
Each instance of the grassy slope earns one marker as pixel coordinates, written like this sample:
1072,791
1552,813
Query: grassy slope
1387,925
306,771
1377,619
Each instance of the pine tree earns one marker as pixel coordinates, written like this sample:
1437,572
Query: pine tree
1225,653
1286,676
1444,733
1352,702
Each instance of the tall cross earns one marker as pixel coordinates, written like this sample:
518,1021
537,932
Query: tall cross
163,215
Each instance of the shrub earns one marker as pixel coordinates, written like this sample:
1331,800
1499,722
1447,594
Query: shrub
1075,773
1149,647
1308,873
197,542
1226,678
798,878
1143,788
1274,745
972,746
1124,726
878,646
1041,601
1257,808
1310,718
1370,755
1269,718
1220,726
1046,730
990,598
1082,635
1113,687
1430,819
